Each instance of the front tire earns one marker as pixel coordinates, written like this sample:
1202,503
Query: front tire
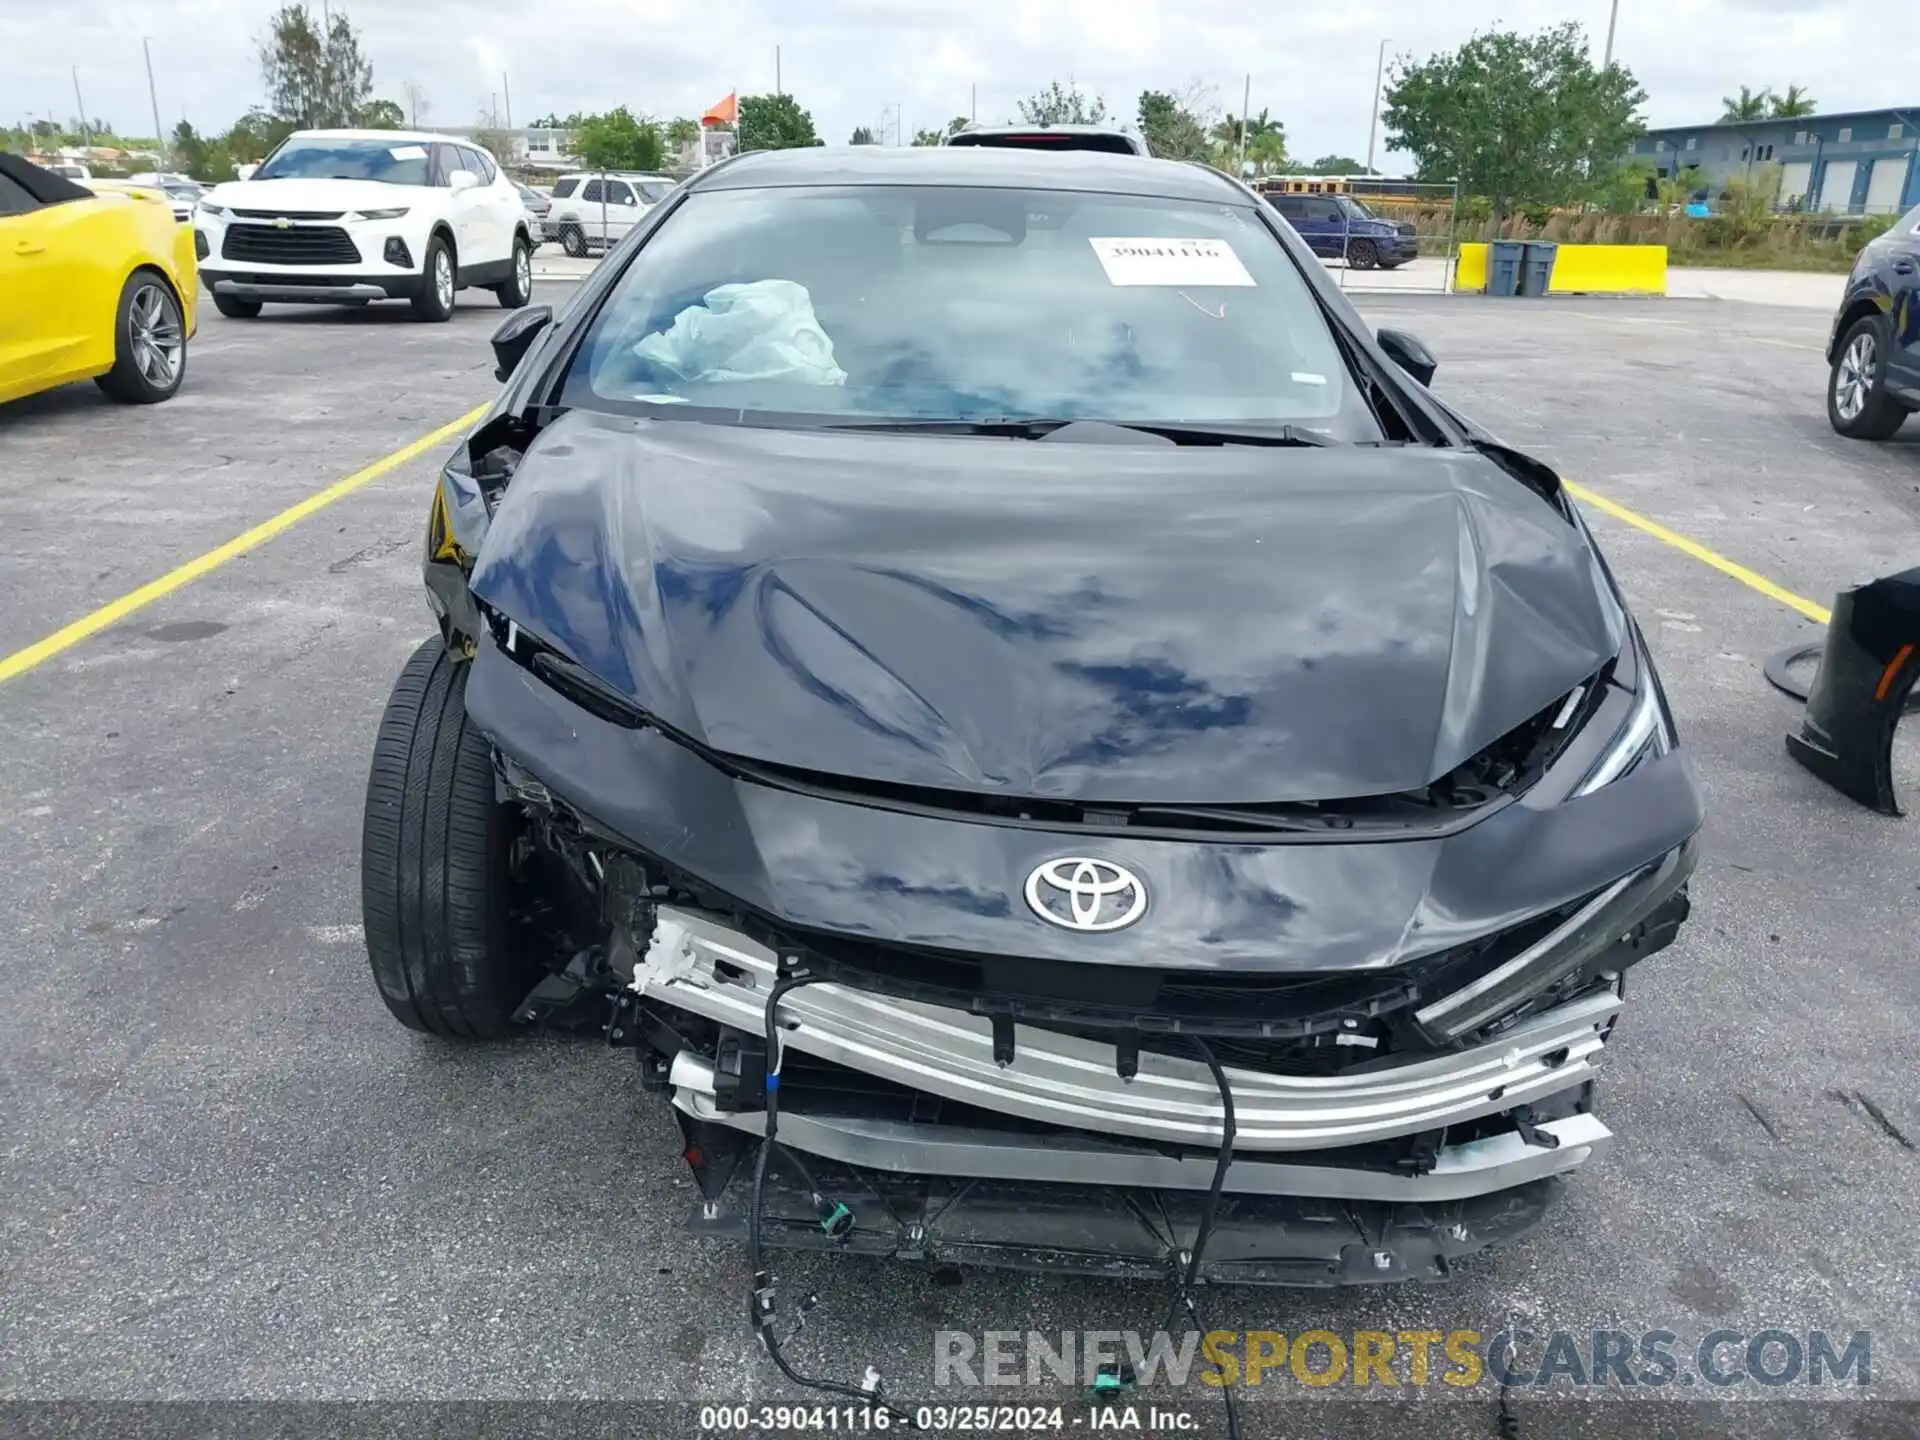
149,342
1363,255
518,290
434,300
235,309
435,862
573,240
1858,405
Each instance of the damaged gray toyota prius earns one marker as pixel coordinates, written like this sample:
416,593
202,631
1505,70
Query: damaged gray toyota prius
1050,743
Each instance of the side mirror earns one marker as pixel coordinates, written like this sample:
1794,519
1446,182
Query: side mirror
462,180
1409,354
516,336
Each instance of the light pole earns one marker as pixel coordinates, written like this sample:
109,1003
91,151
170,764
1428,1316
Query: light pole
1373,119
1613,18
159,135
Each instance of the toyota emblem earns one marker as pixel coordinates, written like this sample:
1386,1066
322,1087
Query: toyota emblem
1077,892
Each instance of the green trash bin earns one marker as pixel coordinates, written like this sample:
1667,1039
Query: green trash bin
1505,260
1538,270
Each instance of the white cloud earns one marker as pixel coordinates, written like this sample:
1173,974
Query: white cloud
847,59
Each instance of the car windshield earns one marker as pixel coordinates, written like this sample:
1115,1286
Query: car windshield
394,162
967,304
653,191
1355,208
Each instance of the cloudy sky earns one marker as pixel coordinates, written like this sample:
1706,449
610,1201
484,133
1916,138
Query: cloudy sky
851,61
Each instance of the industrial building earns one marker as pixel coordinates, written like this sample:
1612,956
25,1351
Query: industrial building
1850,163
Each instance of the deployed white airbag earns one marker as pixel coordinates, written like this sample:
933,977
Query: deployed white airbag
761,330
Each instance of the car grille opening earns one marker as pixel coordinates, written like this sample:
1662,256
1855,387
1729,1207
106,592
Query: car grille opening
296,245
290,214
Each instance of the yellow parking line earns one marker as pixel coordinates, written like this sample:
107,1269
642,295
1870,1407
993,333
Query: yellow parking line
1817,613
114,611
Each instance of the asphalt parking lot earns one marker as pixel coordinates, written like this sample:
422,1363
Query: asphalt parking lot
228,1174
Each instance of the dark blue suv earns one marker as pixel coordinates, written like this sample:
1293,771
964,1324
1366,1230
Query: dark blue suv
1340,227
1875,345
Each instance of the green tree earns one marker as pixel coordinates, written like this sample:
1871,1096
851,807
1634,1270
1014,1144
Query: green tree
1171,129
928,137
189,152
1336,165
253,135
682,132
1516,118
1792,105
862,136
956,125
315,74
572,122
774,122
1626,188
617,140
1062,105
1747,105
382,115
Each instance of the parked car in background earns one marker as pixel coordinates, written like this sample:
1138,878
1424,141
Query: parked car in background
97,286
593,210
538,203
1873,352
183,192
344,217
1108,139
67,170
1338,227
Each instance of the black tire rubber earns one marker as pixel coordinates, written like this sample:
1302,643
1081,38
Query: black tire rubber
510,293
126,382
1362,254
426,300
573,240
1882,415
234,309
435,852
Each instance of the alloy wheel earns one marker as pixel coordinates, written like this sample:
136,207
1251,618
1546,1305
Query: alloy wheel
522,272
156,336
443,279
1853,381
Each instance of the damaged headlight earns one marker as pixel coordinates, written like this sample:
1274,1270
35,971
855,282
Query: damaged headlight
1647,731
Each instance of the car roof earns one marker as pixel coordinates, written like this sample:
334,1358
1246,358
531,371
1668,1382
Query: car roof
397,137
971,165
616,175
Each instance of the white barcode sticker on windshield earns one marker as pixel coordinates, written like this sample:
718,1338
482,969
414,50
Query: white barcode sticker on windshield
407,152
1152,260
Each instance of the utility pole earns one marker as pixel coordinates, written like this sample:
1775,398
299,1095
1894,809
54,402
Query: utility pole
1613,18
1246,103
776,72
1373,119
86,131
153,97
493,110
504,90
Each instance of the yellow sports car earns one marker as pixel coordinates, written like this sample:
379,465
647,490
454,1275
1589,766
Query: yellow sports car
97,287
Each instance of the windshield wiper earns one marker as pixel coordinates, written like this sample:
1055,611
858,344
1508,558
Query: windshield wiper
1042,429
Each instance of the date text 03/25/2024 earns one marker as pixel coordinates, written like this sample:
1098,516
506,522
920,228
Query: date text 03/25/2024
718,1420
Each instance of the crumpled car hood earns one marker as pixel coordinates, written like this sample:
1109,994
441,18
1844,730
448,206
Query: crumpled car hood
1118,623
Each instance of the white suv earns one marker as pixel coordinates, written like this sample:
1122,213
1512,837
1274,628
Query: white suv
341,217
596,209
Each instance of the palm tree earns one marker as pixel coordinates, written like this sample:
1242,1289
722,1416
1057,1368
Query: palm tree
1752,104
1796,102
1226,130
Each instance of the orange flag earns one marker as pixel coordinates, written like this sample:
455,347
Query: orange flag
727,112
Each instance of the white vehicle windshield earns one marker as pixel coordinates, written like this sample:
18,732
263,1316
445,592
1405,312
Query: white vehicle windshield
921,302
329,158
653,191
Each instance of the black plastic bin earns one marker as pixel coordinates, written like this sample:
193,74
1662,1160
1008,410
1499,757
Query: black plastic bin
1505,261
1538,270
